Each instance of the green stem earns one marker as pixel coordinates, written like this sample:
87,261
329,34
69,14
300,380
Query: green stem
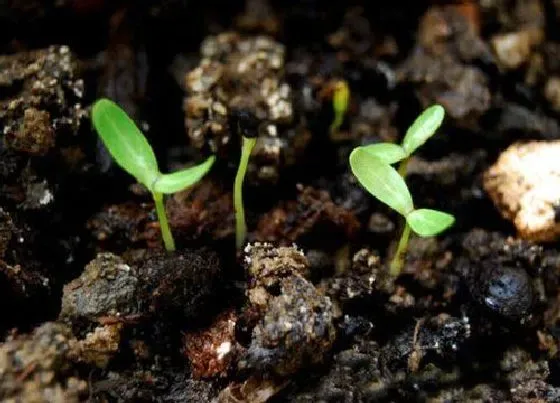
164,225
403,167
398,260
240,224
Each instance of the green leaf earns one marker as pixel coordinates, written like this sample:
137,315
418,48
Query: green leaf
389,153
423,128
381,180
426,222
125,141
176,181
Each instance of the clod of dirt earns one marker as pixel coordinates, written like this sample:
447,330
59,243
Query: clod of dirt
313,212
204,210
296,321
44,100
552,92
452,29
440,67
164,284
365,276
354,376
354,38
512,15
19,284
442,335
527,379
36,367
258,16
448,170
166,385
99,346
481,245
106,288
211,351
374,121
38,196
6,231
35,135
265,264
125,225
244,75
514,118
253,390
524,184
179,283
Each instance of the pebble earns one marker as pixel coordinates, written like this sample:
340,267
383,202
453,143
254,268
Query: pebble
524,184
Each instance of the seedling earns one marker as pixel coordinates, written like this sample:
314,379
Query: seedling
372,167
132,152
240,224
340,100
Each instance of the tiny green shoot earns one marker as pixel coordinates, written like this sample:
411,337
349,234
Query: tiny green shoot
340,101
240,224
132,152
372,167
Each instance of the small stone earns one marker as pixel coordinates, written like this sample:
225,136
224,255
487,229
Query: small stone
524,184
107,287
552,92
513,49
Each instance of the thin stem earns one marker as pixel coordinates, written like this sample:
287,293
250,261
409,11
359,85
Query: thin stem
403,167
164,225
398,260
240,224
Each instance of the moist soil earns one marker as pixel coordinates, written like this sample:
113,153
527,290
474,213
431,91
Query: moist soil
94,309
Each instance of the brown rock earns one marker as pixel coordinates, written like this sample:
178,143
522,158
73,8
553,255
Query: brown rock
514,49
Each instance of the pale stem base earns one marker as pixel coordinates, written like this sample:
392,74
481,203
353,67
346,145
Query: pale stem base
168,241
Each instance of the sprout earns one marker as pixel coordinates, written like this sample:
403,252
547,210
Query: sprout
341,98
240,224
372,167
133,153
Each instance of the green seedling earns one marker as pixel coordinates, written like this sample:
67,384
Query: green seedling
132,152
372,167
340,101
240,224
421,130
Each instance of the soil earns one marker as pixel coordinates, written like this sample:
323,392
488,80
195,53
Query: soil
94,308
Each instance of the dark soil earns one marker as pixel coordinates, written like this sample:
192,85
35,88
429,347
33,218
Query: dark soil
94,309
